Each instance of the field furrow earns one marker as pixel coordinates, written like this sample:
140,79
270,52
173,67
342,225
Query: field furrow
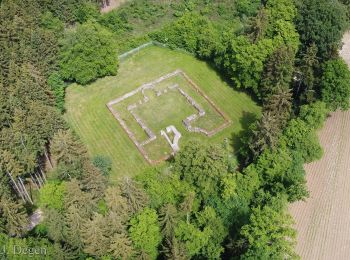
323,221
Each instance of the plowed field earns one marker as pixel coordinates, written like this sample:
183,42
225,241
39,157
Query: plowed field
323,221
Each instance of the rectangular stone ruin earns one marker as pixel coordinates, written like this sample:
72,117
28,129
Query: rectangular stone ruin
187,121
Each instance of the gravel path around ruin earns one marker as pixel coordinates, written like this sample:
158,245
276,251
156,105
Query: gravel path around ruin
323,221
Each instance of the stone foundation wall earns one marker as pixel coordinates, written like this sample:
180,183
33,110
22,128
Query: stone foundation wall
187,121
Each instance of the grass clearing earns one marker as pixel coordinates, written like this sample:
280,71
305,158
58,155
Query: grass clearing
171,100
88,115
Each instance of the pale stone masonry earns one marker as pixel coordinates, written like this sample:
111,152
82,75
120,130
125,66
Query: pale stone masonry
187,121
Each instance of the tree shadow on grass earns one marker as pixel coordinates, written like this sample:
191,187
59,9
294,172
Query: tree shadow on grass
225,78
246,120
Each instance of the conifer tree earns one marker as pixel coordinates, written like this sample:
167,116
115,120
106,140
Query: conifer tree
121,247
73,226
168,218
66,148
54,222
308,67
16,219
134,193
93,236
279,105
175,250
264,135
278,71
93,181
117,203
258,25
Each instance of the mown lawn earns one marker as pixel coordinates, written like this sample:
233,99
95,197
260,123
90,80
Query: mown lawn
88,115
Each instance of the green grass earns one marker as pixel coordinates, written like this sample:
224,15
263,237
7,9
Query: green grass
170,108
165,110
88,115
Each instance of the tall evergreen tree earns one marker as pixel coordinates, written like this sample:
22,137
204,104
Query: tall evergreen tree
121,247
264,134
66,148
168,219
136,197
93,181
279,105
307,73
278,71
74,220
117,203
93,237
14,214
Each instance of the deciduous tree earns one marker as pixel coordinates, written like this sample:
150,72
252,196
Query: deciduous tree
269,234
88,53
314,114
335,84
203,167
321,22
301,138
145,232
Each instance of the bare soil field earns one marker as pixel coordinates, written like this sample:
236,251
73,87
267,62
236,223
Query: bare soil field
323,221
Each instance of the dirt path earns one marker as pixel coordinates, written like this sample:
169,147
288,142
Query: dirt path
35,219
112,5
345,51
323,221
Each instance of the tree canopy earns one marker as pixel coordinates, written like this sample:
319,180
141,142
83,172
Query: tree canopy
321,22
88,53
335,84
269,234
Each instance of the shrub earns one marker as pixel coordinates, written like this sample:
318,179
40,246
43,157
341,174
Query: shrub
52,195
301,138
48,21
103,163
115,21
57,85
314,114
335,84
192,32
88,53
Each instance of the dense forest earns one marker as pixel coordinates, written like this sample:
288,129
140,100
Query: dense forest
204,204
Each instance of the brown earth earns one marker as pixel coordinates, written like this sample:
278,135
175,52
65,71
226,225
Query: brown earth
345,51
323,221
112,5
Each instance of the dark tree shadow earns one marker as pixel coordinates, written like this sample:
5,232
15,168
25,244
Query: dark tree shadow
225,78
246,120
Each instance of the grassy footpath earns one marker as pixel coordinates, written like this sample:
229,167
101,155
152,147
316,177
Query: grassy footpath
88,115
